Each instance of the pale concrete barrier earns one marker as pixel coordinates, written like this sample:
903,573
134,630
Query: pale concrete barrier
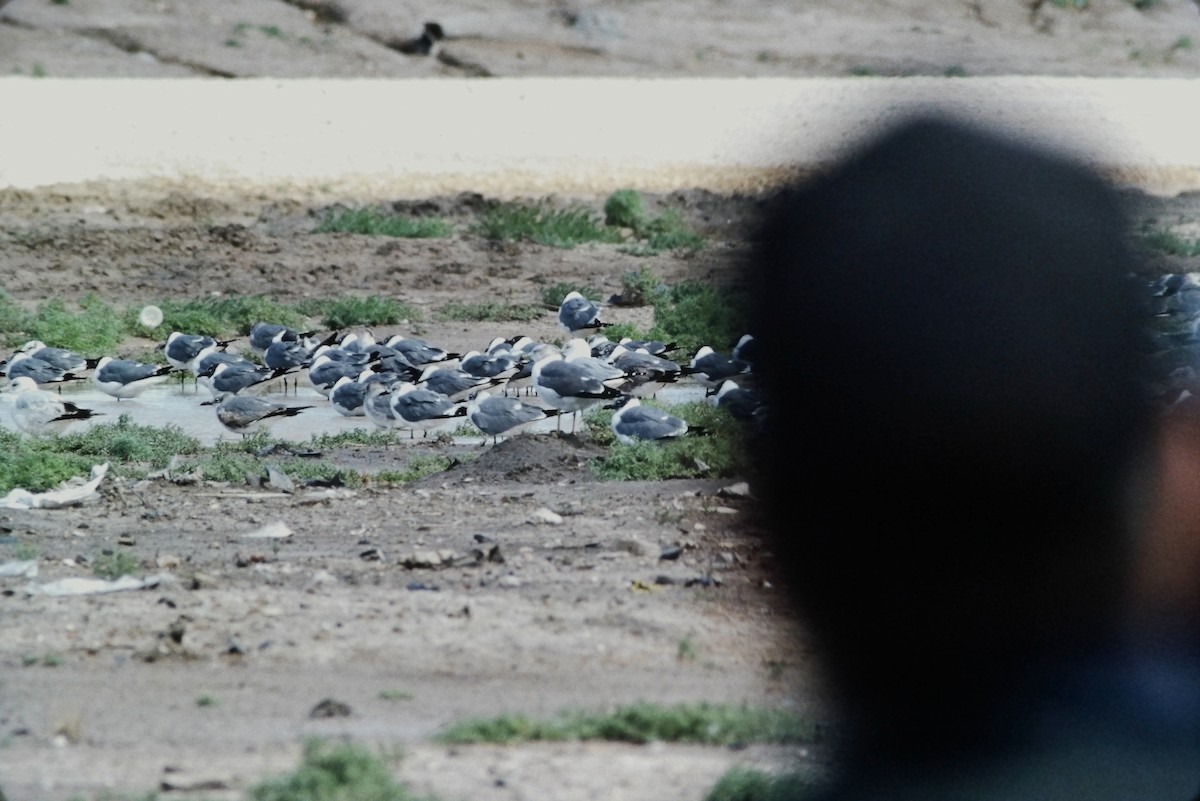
514,137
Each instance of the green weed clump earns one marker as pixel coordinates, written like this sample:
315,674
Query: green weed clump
217,317
552,296
750,784
335,772
418,467
350,312
114,564
718,452
563,228
96,328
379,223
354,436
693,314
125,441
624,209
35,466
643,722
491,311
1164,240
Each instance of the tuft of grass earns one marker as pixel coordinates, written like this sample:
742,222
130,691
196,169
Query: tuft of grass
96,328
217,317
207,701
552,296
374,222
35,466
418,467
641,287
354,436
624,209
719,452
750,784
643,722
125,441
693,314
335,772
114,564
395,695
349,312
1164,240
491,311
560,228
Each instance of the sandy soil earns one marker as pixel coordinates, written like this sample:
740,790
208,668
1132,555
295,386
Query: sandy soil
574,615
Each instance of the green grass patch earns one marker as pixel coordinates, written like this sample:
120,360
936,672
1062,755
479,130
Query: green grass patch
492,312
643,722
125,441
217,317
750,784
693,314
719,452
418,467
354,436
552,296
395,695
114,564
335,772
35,466
374,222
350,312
1164,240
93,329
641,287
560,228
207,701
624,209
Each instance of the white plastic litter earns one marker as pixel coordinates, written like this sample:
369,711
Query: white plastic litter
25,568
277,530
69,493
94,586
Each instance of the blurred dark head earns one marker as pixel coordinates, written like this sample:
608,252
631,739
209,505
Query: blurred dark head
949,340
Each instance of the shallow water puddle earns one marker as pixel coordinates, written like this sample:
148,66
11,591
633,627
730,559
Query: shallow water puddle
169,404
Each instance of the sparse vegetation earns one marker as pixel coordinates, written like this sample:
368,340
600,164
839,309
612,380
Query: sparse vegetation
380,223
207,701
625,209
693,314
1164,240
643,722
349,312
127,442
418,467
560,228
95,328
750,784
491,311
335,772
114,564
395,695
217,317
719,451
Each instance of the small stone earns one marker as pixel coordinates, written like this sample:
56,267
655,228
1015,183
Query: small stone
739,490
330,708
167,561
636,547
280,481
671,552
277,530
126,539
509,581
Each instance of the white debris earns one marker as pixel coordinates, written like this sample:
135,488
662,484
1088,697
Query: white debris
69,493
27,568
546,517
277,530
95,586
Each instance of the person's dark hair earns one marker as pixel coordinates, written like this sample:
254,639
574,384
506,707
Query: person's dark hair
950,350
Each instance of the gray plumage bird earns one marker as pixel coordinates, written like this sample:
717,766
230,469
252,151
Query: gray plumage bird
243,414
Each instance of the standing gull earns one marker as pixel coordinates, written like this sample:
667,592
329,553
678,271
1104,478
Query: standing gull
122,378
242,414
499,415
569,386
422,408
577,313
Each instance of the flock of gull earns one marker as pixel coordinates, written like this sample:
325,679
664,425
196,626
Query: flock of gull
402,382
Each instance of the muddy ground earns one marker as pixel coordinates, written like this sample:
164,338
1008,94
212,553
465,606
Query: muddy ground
100,694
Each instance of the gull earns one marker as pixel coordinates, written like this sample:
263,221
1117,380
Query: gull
263,335
331,366
746,349
633,422
39,371
63,359
377,406
577,313
742,403
711,368
242,414
418,352
230,379
422,408
184,351
123,378
454,383
568,386
348,394
647,374
37,411
494,364
498,415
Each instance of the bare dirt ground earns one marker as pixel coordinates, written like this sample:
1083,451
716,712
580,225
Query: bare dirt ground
575,615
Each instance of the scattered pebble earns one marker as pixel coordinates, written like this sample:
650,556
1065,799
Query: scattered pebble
330,708
546,517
